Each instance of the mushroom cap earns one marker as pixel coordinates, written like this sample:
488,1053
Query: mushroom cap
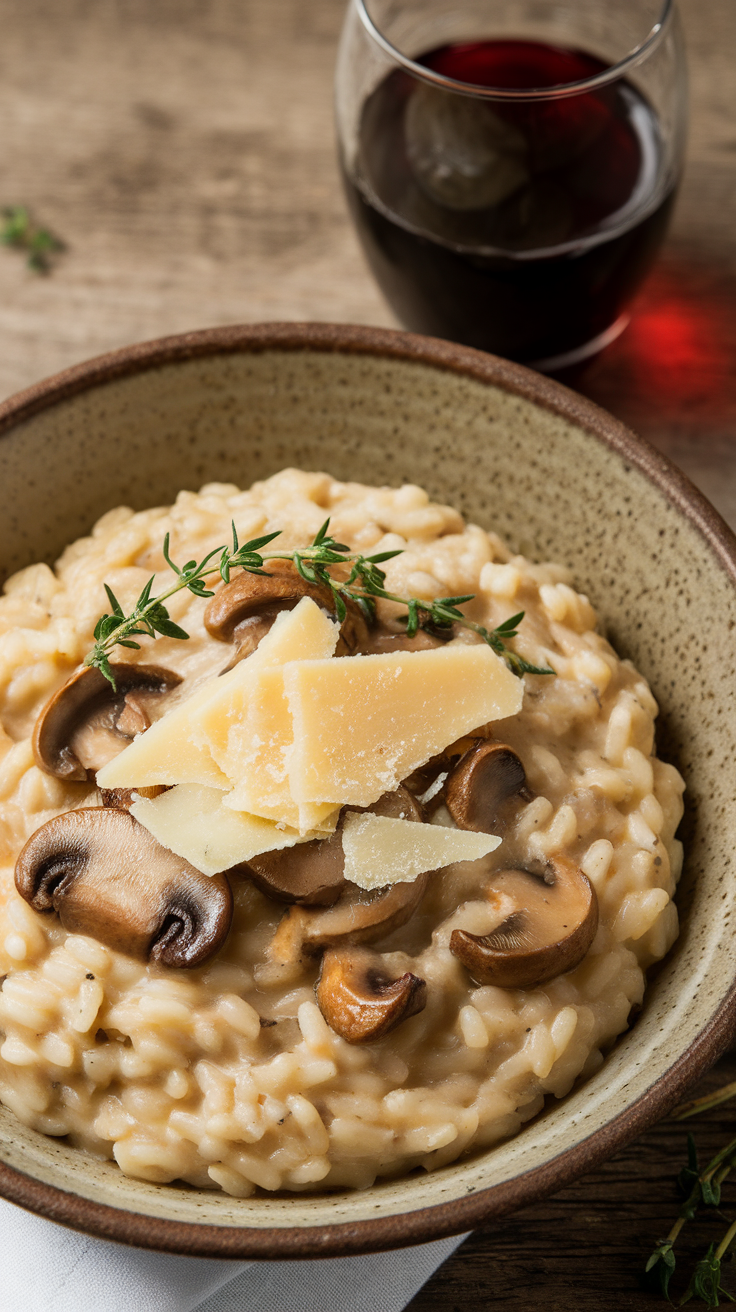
86,722
107,877
486,777
310,873
358,998
551,920
313,873
245,608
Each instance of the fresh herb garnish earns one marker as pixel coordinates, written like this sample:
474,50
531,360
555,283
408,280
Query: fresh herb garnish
20,232
364,584
701,1189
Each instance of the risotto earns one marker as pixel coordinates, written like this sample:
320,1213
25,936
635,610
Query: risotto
228,1069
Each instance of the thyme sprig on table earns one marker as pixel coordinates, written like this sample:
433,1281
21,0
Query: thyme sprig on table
21,232
364,584
700,1189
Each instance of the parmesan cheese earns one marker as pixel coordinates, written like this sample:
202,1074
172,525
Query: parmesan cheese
250,732
191,821
259,760
223,721
379,850
189,745
167,753
362,724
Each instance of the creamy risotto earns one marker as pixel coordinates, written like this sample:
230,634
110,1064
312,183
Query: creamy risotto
234,1073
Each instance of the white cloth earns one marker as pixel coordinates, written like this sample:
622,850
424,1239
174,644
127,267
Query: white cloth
47,1268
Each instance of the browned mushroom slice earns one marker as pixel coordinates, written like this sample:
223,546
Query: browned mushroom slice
485,780
382,639
122,798
87,722
552,925
313,873
358,917
244,610
106,876
359,1000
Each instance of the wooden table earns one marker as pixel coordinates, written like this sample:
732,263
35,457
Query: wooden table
184,151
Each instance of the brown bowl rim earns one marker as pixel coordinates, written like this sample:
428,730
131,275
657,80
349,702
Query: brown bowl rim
435,1222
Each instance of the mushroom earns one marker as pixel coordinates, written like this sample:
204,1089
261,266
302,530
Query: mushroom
357,917
383,639
551,922
122,798
107,877
313,873
359,1000
310,873
486,784
87,722
246,607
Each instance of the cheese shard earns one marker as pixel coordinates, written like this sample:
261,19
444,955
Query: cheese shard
380,851
362,724
304,633
184,746
260,747
250,733
167,753
191,821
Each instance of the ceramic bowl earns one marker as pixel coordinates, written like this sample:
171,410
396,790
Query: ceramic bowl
561,480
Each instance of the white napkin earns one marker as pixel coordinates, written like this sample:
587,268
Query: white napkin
47,1268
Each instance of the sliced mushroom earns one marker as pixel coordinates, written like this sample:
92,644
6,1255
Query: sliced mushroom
107,877
122,798
552,921
358,917
313,873
359,1000
310,873
382,639
244,610
87,722
486,784
428,781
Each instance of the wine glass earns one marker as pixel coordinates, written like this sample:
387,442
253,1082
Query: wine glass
511,165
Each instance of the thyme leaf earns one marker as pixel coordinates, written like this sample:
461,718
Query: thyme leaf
22,233
365,583
700,1189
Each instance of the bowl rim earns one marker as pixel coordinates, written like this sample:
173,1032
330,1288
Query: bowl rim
337,1239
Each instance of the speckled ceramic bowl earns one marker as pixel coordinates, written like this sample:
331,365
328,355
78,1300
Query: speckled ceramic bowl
559,479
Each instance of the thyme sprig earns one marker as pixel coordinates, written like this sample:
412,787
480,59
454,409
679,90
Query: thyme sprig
21,232
364,584
700,1189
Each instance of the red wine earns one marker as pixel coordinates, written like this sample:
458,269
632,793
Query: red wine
520,227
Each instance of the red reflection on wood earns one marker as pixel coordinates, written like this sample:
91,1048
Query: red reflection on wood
676,342
676,362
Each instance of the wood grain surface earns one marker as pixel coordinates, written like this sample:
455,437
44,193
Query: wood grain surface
585,1249
184,151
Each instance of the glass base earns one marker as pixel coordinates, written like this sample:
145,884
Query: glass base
567,359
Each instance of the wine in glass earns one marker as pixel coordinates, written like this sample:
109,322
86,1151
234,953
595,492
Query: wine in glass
511,165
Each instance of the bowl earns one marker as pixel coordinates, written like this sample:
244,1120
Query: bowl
559,479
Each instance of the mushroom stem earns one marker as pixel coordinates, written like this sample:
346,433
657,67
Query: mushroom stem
551,922
106,876
358,998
